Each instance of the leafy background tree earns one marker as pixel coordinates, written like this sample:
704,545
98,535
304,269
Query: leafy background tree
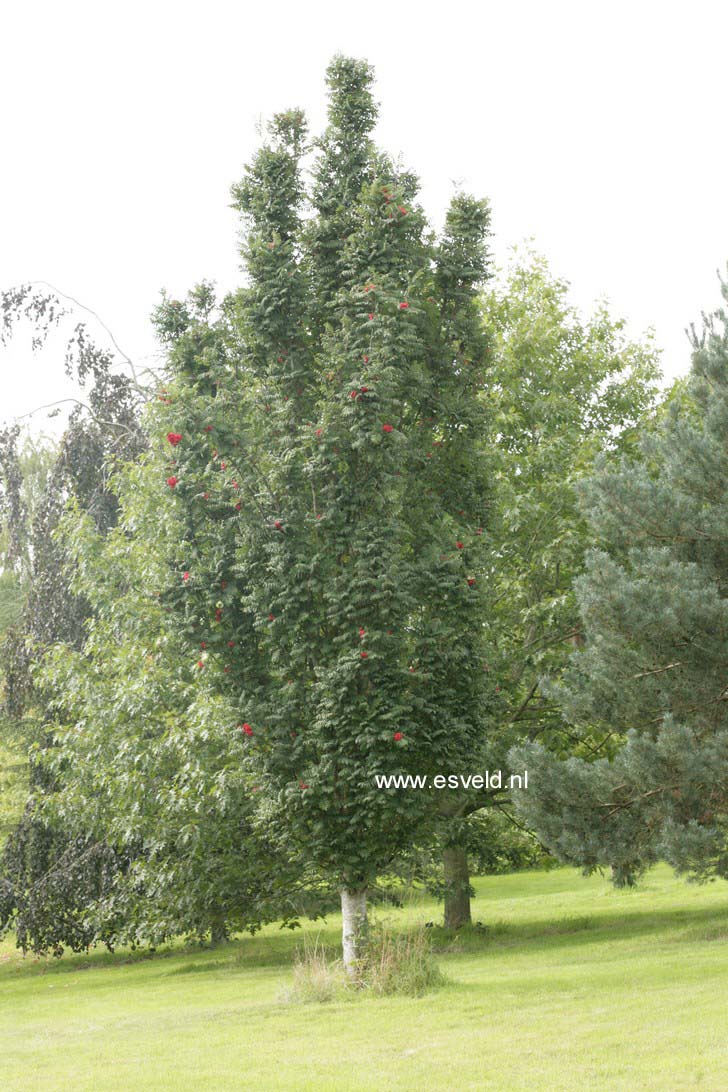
562,390
147,759
652,673
44,871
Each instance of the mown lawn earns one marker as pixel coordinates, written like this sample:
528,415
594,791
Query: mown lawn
573,986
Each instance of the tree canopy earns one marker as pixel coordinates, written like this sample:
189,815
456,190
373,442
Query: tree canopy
652,673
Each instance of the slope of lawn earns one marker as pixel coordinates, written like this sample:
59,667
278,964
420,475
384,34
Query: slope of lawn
573,985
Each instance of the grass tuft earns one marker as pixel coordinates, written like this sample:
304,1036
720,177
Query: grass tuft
396,962
317,977
400,962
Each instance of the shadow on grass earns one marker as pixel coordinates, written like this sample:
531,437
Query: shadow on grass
670,925
237,955
269,950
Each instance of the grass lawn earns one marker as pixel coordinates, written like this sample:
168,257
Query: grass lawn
573,986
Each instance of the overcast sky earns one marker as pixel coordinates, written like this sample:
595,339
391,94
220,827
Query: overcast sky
597,129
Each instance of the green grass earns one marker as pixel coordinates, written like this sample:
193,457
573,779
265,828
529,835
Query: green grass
573,986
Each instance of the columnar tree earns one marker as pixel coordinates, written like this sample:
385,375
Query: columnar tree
326,445
652,674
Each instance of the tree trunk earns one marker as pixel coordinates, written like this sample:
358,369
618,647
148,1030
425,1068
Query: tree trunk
354,919
457,887
218,933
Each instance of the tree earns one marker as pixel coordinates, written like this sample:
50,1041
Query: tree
147,767
103,428
41,895
327,459
652,673
562,390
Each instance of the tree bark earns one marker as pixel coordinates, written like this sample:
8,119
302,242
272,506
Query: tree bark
457,887
354,919
218,933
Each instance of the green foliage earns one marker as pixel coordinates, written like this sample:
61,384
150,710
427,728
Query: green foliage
50,881
148,761
325,467
561,390
49,877
492,841
653,607
564,391
37,480
13,778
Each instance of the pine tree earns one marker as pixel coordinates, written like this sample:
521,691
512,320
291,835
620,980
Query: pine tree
327,460
653,670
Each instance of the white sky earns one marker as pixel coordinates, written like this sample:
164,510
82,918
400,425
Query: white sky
597,129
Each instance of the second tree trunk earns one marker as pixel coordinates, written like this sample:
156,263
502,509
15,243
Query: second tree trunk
457,887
